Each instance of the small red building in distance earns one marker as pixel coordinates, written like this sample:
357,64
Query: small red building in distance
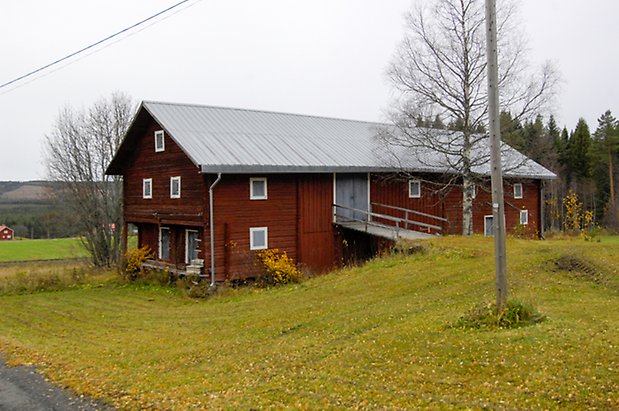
6,233
216,184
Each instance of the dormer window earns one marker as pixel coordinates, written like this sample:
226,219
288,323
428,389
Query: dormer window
159,141
258,188
518,190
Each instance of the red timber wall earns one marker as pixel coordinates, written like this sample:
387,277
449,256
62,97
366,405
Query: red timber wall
393,191
297,213
6,234
187,212
530,201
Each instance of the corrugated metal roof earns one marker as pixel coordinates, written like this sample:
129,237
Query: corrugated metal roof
242,141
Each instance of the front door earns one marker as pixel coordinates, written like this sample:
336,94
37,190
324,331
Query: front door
164,243
352,191
488,228
192,245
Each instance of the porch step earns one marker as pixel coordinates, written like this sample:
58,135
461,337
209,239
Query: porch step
385,231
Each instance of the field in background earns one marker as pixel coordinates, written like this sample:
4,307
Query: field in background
36,276
27,250
376,336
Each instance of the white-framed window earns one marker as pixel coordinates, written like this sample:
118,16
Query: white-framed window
147,188
159,141
258,188
524,217
192,245
414,189
164,243
175,187
518,190
258,238
488,225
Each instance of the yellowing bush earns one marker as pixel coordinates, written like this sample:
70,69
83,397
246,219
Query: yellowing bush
133,261
278,268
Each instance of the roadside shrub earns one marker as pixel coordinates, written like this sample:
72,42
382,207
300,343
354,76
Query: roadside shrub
578,221
486,316
277,268
132,262
523,231
159,277
408,247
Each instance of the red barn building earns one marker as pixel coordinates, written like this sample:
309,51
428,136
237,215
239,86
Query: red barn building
216,184
6,233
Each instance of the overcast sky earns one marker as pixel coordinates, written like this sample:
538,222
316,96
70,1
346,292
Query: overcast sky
319,57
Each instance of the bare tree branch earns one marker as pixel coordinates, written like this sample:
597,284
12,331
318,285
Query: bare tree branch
78,151
440,69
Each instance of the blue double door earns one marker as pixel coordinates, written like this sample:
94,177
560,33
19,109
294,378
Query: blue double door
352,191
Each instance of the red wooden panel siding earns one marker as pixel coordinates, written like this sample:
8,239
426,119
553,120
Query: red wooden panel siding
393,191
453,209
316,234
233,207
297,212
146,163
148,235
482,205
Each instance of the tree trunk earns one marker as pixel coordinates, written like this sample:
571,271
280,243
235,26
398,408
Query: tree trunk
467,206
611,181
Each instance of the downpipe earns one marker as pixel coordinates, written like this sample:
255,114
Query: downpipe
212,229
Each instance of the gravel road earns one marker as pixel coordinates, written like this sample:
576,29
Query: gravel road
22,388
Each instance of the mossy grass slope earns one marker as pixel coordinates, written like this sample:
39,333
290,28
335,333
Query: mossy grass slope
376,336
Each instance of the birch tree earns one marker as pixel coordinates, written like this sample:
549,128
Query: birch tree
78,151
439,69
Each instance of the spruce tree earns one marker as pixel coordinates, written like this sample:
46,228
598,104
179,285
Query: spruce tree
579,151
511,130
553,135
606,149
562,149
553,129
535,144
556,189
438,122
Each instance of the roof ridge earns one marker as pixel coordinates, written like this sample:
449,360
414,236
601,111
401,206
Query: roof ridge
262,111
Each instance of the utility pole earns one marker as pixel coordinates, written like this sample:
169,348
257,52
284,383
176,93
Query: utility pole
498,207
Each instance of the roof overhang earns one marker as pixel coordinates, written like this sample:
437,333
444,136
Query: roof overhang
277,169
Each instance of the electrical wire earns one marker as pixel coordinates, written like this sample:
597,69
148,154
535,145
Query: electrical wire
84,49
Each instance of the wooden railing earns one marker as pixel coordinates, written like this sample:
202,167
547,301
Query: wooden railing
408,212
399,223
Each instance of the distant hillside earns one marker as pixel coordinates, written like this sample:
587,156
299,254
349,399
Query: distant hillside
17,192
28,208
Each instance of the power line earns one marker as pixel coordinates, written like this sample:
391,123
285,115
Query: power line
75,53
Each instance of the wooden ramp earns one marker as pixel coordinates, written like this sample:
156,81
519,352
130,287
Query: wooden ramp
385,231
387,226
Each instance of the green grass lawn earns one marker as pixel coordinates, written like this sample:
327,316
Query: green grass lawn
376,336
61,248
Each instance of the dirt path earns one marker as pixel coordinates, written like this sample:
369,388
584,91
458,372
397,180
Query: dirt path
22,388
